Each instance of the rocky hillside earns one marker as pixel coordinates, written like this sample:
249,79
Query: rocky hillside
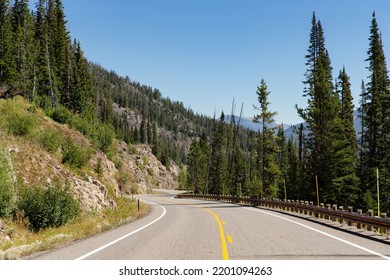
36,160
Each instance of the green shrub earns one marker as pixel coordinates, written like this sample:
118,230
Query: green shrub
74,155
99,167
61,114
51,207
104,136
50,140
82,125
19,123
7,191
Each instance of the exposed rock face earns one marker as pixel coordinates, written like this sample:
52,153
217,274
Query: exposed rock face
145,171
139,171
41,168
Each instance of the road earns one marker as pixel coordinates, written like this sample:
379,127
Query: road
181,229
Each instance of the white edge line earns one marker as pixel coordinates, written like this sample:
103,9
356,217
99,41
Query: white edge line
125,236
324,233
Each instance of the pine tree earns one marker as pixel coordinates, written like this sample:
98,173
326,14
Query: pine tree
43,72
197,164
217,167
82,83
292,170
376,118
24,47
155,143
282,159
269,170
7,60
345,181
323,118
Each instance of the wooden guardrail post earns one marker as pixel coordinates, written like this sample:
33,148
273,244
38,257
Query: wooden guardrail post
334,207
321,216
341,208
305,211
371,214
327,207
350,210
384,216
360,212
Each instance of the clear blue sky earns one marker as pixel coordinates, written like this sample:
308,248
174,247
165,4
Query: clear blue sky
205,53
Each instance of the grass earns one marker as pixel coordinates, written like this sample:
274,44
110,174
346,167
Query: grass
24,242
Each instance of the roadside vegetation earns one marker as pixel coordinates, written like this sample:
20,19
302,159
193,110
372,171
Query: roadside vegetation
24,241
45,213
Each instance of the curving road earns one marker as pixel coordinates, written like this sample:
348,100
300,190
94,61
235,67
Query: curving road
179,229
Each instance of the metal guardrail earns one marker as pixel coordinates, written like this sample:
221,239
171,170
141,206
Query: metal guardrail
327,212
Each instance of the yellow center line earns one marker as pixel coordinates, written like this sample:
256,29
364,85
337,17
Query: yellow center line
225,254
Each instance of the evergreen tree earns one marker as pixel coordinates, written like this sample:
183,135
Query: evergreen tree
82,82
292,170
143,132
345,181
376,119
323,118
7,60
24,47
155,143
197,165
269,171
282,159
217,166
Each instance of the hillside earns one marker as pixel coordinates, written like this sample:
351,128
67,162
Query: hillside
33,154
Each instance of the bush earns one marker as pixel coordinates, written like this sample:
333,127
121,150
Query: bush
51,207
7,191
50,140
99,167
82,125
61,114
19,124
104,136
74,155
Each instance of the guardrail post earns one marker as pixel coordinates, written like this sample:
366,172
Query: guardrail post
383,216
341,208
334,207
350,210
305,211
327,207
311,203
360,212
321,216
371,214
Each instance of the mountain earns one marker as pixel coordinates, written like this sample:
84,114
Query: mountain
247,122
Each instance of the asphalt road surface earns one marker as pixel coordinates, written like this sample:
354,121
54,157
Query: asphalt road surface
181,229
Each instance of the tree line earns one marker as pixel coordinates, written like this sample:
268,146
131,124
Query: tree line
39,59
326,159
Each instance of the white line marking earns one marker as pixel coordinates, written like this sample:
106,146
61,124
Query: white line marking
125,236
324,233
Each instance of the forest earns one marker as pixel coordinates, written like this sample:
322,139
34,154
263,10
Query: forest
42,62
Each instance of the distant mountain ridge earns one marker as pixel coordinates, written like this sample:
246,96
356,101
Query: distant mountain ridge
247,122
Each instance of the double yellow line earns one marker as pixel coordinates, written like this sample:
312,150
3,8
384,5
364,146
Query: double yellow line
223,237
225,254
